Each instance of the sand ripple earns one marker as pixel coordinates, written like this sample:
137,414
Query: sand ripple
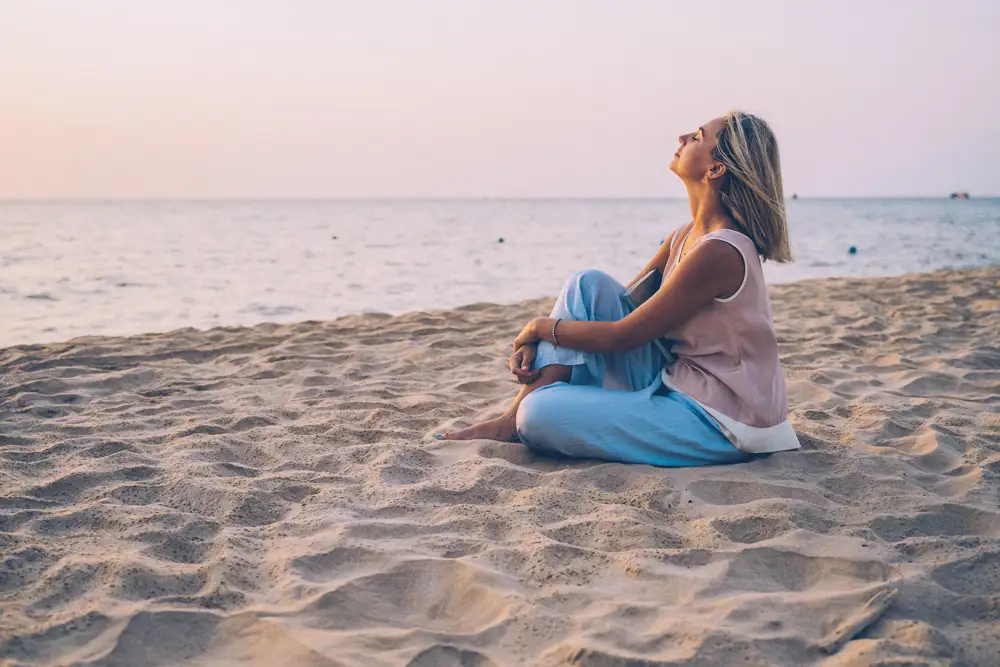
271,496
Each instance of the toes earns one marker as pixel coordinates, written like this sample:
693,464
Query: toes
491,430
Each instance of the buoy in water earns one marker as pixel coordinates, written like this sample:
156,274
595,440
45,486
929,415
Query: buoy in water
853,250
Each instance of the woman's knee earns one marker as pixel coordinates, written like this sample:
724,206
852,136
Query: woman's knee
592,279
594,287
533,421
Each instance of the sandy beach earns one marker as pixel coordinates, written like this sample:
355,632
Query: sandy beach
272,496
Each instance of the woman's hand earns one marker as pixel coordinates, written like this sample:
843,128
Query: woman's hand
529,334
520,364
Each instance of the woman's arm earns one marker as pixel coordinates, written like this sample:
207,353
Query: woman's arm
659,260
709,271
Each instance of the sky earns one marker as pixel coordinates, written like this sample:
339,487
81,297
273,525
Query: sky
488,98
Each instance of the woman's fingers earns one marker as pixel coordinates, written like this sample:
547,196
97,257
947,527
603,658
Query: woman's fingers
522,358
520,364
526,377
527,356
515,361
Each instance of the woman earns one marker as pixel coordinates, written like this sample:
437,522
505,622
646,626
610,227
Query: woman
594,384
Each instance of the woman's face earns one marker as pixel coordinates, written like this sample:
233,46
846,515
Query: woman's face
693,160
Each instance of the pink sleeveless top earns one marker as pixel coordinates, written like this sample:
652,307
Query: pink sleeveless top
727,357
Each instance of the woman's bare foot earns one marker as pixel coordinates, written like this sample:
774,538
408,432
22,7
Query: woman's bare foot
502,428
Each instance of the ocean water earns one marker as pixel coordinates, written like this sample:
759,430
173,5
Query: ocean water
94,268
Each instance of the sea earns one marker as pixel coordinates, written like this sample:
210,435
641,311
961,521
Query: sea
82,268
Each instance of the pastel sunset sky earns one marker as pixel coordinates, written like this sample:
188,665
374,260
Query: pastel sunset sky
474,98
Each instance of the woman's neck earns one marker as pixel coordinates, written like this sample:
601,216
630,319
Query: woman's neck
707,211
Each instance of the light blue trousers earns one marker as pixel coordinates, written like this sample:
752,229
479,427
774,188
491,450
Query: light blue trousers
613,407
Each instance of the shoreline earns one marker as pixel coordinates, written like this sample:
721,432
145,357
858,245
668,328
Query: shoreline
272,493
528,302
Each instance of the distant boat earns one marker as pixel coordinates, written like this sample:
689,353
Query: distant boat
959,195
795,195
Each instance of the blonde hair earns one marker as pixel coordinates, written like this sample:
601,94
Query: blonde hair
751,190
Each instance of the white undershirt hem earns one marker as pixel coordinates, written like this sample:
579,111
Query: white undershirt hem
746,438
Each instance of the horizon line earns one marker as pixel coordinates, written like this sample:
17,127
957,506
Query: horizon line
469,198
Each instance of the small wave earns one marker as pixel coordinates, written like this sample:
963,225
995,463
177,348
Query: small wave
42,296
272,311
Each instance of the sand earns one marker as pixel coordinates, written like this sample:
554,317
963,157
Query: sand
272,496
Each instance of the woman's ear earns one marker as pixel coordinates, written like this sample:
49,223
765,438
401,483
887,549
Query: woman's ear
717,170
